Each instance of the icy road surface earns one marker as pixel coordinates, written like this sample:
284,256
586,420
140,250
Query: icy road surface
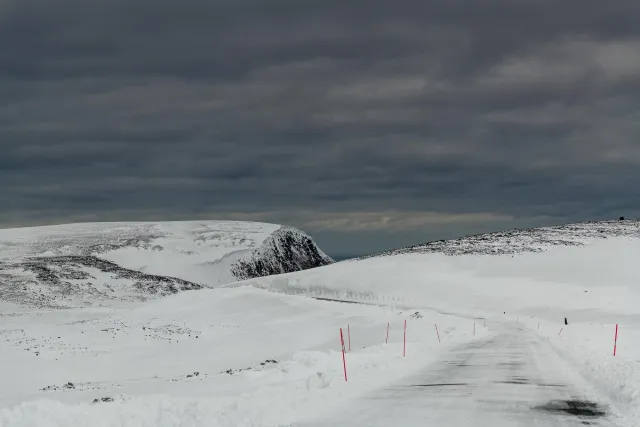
512,378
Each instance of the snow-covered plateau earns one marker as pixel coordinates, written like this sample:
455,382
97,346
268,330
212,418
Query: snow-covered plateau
101,263
266,351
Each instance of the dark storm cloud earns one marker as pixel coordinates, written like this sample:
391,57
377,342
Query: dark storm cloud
160,109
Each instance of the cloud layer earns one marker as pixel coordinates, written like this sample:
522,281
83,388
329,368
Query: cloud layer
334,116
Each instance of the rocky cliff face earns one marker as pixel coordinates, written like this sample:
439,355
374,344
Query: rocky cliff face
284,251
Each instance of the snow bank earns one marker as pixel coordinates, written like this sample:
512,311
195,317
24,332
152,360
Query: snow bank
588,345
307,385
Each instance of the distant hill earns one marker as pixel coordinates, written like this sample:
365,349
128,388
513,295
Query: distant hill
523,240
102,263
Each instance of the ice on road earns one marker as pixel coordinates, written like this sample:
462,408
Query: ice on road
512,378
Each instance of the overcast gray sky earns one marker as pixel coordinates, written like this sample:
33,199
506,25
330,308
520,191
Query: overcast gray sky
370,124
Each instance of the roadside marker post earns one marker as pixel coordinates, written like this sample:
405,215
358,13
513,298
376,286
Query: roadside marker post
437,333
615,341
560,331
344,360
386,341
404,348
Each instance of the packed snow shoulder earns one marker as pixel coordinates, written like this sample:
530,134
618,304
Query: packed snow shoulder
97,264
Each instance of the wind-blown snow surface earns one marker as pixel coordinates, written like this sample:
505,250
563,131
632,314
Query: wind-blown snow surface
99,263
163,362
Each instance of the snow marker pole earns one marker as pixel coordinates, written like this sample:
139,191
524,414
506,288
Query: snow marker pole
349,334
404,348
474,329
344,360
560,331
386,341
615,341
437,333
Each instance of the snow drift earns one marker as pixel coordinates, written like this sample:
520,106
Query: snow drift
99,263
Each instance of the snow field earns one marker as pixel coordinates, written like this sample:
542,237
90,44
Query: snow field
262,353
146,359
598,276
595,286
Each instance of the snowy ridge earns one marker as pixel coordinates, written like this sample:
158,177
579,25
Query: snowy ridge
97,264
522,240
284,251
65,281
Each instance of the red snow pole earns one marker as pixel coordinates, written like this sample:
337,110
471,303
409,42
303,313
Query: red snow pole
344,360
349,334
404,348
615,341
437,333
386,341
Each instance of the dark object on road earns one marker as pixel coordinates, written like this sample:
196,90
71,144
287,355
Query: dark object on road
565,321
441,385
583,409
621,218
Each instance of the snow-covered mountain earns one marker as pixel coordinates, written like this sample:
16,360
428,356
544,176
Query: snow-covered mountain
98,263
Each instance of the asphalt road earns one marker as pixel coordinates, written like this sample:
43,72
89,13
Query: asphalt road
512,378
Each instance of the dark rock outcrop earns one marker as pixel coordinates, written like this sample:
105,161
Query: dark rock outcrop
285,251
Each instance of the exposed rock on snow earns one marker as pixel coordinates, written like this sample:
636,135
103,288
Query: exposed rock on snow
55,282
523,240
285,251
